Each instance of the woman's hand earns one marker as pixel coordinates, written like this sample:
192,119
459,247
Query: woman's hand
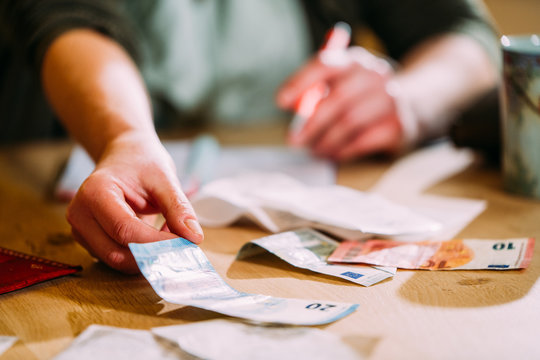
358,116
134,178
370,108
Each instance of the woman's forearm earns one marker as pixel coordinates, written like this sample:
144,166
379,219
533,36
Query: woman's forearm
441,77
96,90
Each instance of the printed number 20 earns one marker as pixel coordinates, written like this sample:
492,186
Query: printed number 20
321,307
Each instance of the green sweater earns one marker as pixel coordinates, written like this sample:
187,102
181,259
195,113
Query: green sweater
214,60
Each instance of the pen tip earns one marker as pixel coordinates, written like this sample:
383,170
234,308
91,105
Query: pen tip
344,26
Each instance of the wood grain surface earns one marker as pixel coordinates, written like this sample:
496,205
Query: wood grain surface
415,315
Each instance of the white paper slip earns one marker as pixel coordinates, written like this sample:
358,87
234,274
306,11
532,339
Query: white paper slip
453,213
180,273
423,168
107,342
279,203
231,340
6,342
297,163
309,249
405,181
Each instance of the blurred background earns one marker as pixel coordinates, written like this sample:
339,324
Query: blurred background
510,16
475,128
515,16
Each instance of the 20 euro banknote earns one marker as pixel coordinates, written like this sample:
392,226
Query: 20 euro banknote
458,254
180,273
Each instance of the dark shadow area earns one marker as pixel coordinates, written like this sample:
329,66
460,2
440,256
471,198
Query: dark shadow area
38,164
478,128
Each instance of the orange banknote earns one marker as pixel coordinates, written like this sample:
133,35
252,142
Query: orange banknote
458,254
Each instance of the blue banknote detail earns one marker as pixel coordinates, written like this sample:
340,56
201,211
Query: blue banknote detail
180,273
352,274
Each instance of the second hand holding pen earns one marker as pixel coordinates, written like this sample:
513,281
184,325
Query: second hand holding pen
337,38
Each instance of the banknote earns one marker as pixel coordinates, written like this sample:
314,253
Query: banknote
235,340
457,254
309,249
180,273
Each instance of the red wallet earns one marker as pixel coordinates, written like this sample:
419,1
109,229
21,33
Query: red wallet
18,270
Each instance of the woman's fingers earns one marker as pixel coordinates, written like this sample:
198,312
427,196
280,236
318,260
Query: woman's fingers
106,201
354,120
91,236
316,71
175,207
357,116
382,136
104,222
347,92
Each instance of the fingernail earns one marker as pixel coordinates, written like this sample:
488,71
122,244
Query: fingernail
194,226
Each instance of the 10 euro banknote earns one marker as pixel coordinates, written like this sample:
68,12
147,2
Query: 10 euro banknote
458,254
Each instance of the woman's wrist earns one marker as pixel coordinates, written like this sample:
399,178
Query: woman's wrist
139,145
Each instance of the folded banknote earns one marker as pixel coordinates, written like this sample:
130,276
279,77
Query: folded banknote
180,273
309,249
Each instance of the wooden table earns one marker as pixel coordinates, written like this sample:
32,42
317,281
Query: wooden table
415,315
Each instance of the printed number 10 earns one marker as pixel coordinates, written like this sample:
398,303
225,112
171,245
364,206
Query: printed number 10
502,246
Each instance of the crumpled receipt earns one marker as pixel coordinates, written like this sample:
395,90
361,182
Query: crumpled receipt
278,203
6,342
226,339
109,342
218,339
408,179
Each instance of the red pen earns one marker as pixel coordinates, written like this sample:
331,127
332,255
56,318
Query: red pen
338,37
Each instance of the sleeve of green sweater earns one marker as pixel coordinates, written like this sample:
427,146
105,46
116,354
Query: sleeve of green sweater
403,24
28,27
